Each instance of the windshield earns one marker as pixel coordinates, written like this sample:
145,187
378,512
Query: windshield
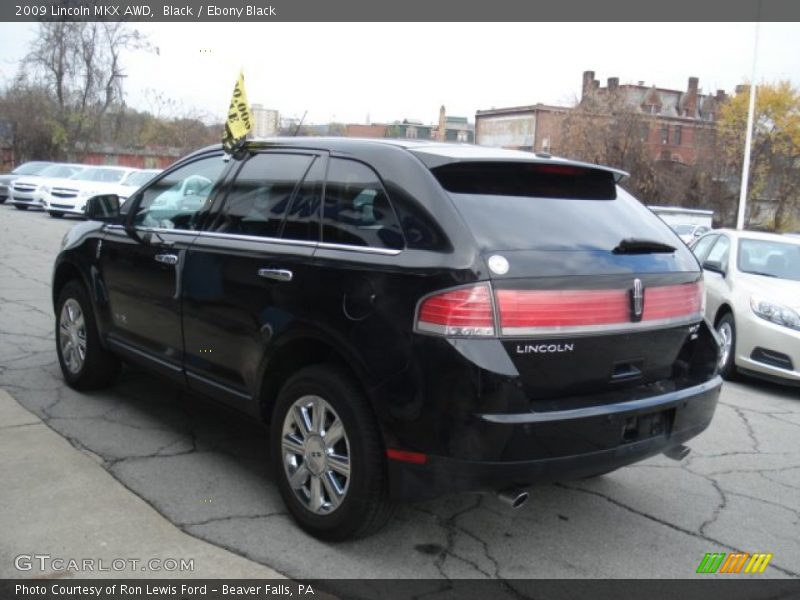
58,171
100,174
516,206
771,259
30,168
683,229
139,178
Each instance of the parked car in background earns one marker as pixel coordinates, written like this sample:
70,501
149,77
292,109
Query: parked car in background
410,318
689,232
753,300
69,196
28,168
133,181
29,191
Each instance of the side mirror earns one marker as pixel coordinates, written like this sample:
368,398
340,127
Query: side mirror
714,266
103,208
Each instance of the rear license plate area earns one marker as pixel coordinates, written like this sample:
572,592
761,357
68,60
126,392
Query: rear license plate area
642,427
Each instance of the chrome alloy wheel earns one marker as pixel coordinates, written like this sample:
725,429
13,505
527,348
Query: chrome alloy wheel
72,335
726,333
316,454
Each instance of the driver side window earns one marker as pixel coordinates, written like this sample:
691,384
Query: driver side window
173,201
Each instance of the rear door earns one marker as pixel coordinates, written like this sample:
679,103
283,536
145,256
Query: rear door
593,293
246,277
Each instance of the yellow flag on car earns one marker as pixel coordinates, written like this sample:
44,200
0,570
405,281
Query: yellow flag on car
240,117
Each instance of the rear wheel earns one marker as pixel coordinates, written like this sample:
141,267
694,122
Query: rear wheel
727,359
21,206
85,364
56,214
328,456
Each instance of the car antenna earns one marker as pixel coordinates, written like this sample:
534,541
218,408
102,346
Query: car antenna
296,129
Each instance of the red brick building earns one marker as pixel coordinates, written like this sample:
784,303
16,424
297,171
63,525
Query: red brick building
677,119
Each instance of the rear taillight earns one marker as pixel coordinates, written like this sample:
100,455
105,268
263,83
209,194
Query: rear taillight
562,308
459,312
468,311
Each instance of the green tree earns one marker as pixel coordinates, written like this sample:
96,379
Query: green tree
774,185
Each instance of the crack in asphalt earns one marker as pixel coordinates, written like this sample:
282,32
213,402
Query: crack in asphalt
678,528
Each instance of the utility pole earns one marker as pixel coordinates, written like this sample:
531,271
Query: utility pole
748,139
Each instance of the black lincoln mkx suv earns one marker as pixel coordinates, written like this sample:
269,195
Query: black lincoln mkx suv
409,318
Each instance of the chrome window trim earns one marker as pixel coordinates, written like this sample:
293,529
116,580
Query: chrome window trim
364,249
255,238
265,240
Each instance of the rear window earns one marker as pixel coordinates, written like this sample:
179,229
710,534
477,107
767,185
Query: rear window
519,206
527,179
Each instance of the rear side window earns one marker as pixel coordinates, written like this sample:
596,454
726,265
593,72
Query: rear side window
357,211
260,195
530,206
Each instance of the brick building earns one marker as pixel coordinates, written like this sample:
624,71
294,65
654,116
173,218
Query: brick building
535,128
674,120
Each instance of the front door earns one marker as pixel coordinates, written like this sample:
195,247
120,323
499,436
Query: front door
141,268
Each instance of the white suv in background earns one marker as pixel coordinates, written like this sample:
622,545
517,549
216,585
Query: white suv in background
69,196
29,191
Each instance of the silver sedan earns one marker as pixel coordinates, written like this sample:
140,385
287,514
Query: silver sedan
752,284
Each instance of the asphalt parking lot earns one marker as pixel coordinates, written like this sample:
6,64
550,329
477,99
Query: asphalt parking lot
206,470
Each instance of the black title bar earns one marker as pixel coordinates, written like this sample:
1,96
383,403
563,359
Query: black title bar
400,10
735,587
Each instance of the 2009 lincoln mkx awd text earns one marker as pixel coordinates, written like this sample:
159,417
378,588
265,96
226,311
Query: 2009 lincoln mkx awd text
409,318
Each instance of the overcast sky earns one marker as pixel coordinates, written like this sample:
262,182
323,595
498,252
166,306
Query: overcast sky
389,71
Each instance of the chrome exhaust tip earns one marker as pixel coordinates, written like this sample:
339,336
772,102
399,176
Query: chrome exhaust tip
678,452
513,497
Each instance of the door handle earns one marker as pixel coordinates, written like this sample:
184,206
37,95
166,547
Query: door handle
167,259
276,274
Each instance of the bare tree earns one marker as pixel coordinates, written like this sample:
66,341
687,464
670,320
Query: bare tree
80,64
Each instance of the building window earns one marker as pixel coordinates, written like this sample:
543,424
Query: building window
645,132
676,135
665,134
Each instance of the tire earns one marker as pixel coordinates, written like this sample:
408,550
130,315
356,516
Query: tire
726,327
56,214
363,507
94,368
2,199
21,206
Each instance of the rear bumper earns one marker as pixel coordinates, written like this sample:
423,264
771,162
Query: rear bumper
687,412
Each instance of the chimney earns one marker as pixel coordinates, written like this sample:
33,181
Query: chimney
613,84
743,88
721,96
588,78
690,105
442,125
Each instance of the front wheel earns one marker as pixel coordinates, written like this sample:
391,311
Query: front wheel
328,456
85,364
726,328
